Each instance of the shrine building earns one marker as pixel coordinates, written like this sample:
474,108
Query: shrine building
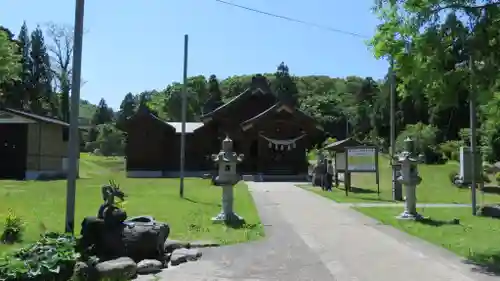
273,135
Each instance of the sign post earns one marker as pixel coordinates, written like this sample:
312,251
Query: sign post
361,159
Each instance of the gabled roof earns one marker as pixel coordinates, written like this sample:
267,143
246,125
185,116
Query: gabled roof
342,144
191,127
259,85
35,117
279,107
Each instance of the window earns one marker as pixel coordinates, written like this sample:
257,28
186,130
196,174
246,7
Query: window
65,134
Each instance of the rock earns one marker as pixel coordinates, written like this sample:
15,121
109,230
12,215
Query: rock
84,272
203,244
134,239
184,255
171,245
123,268
492,211
149,266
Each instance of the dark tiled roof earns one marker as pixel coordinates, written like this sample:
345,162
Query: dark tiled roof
36,117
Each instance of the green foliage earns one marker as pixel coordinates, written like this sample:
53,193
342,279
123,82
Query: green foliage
109,141
497,178
425,140
450,149
10,67
13,228
52,257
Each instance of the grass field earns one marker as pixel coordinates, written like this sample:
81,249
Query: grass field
41,204
475,238
435,187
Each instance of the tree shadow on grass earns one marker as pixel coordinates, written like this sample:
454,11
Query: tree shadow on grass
437,223
360,190
493,189
240,225
202,203
486,263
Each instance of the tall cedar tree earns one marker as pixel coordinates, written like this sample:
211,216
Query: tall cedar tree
41,96
284,87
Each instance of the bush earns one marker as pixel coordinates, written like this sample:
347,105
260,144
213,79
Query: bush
51,258
13,228
450,149
497,178
425,139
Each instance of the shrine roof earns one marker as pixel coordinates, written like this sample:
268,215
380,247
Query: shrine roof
175,126
259,85
279,107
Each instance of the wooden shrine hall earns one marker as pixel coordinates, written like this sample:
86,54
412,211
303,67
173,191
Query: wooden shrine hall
273,135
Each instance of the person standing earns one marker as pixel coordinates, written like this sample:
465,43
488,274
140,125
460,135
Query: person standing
329,175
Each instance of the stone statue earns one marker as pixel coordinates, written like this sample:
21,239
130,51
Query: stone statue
108,211
110,235
227,177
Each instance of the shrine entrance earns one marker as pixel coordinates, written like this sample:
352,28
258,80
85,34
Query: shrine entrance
281,156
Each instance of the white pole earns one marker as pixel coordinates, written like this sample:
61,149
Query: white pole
183,113
74,143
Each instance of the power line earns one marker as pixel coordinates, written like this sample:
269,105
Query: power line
324,27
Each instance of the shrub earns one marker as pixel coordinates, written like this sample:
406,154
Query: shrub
424,137
497,178
52,257
450,149
13,228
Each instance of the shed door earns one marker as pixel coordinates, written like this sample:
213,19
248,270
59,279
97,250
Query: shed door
13,150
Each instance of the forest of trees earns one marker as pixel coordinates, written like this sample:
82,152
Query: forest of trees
443,51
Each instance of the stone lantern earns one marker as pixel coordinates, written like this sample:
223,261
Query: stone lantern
227,177
410,178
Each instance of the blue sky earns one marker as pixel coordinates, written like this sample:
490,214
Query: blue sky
132,45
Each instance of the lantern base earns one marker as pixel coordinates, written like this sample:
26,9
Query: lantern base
410,216
230,218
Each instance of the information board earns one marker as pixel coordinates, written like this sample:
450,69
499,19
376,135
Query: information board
361,159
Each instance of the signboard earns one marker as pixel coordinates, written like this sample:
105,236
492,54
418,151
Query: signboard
340,161
361,159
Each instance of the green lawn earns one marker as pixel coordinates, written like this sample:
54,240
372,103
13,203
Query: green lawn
476,238
41,204
435,187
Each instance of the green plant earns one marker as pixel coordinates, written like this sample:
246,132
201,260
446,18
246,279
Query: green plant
13,228
450,149
52,257
497,178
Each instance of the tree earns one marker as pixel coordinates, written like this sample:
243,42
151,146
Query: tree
215,95
103,114
284,86
61,54
127,108
41,96
10,67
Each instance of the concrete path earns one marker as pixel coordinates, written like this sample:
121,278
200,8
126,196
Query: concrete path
309,237
400,205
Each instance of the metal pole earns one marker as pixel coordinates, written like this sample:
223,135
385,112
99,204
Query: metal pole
74,143
473,147
183,113
396,187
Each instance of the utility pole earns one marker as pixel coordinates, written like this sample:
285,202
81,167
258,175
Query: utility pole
74,143
473,134
397,193
183,113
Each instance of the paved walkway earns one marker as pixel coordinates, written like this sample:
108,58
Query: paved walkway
400,205
309,237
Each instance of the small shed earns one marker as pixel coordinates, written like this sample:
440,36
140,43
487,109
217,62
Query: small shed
32,146
340,146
